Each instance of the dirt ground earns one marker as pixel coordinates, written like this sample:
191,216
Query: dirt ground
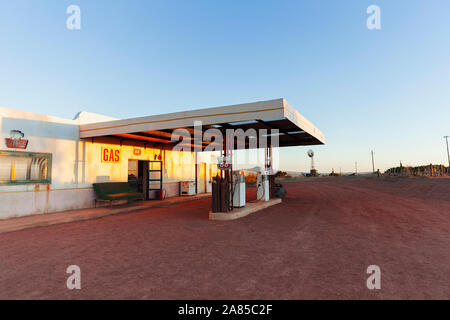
317,244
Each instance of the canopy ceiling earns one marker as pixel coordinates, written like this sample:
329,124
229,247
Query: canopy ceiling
294,129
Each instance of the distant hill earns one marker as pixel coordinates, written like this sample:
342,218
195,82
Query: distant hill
258,169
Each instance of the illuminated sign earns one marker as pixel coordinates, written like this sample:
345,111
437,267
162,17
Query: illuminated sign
16,140
110,155
137,152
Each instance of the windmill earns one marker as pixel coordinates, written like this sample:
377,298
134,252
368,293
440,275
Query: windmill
313,171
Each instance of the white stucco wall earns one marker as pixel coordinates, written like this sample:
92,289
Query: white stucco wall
49,135
76,164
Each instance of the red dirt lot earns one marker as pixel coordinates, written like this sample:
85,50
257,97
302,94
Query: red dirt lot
317,244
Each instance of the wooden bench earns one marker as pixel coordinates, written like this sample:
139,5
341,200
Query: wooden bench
109,191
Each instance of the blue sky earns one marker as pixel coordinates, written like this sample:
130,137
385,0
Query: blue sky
386,90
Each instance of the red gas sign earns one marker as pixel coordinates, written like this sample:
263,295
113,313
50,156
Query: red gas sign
110,155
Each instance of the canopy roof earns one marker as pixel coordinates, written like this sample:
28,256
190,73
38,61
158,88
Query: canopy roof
294,129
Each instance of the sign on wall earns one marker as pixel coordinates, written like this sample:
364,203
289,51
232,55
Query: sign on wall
224,163
110,155
16,140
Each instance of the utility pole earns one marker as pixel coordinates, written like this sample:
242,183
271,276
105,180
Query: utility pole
356,168
373,164
448,155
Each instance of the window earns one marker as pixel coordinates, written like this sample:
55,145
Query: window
25,167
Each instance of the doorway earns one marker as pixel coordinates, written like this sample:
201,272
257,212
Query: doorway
138,175
146,177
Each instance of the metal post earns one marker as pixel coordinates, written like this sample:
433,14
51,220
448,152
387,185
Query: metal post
196,172
270,172
228,174
373,164
231,176
448,154
271,158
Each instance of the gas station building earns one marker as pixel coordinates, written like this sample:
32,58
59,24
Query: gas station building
49,164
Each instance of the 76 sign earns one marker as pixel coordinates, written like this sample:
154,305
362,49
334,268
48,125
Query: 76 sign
224,163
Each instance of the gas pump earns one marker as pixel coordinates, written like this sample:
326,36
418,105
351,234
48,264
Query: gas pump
262,186
239,190
265,178
222,195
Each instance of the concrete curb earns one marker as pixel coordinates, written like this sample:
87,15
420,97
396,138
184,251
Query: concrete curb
237,213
